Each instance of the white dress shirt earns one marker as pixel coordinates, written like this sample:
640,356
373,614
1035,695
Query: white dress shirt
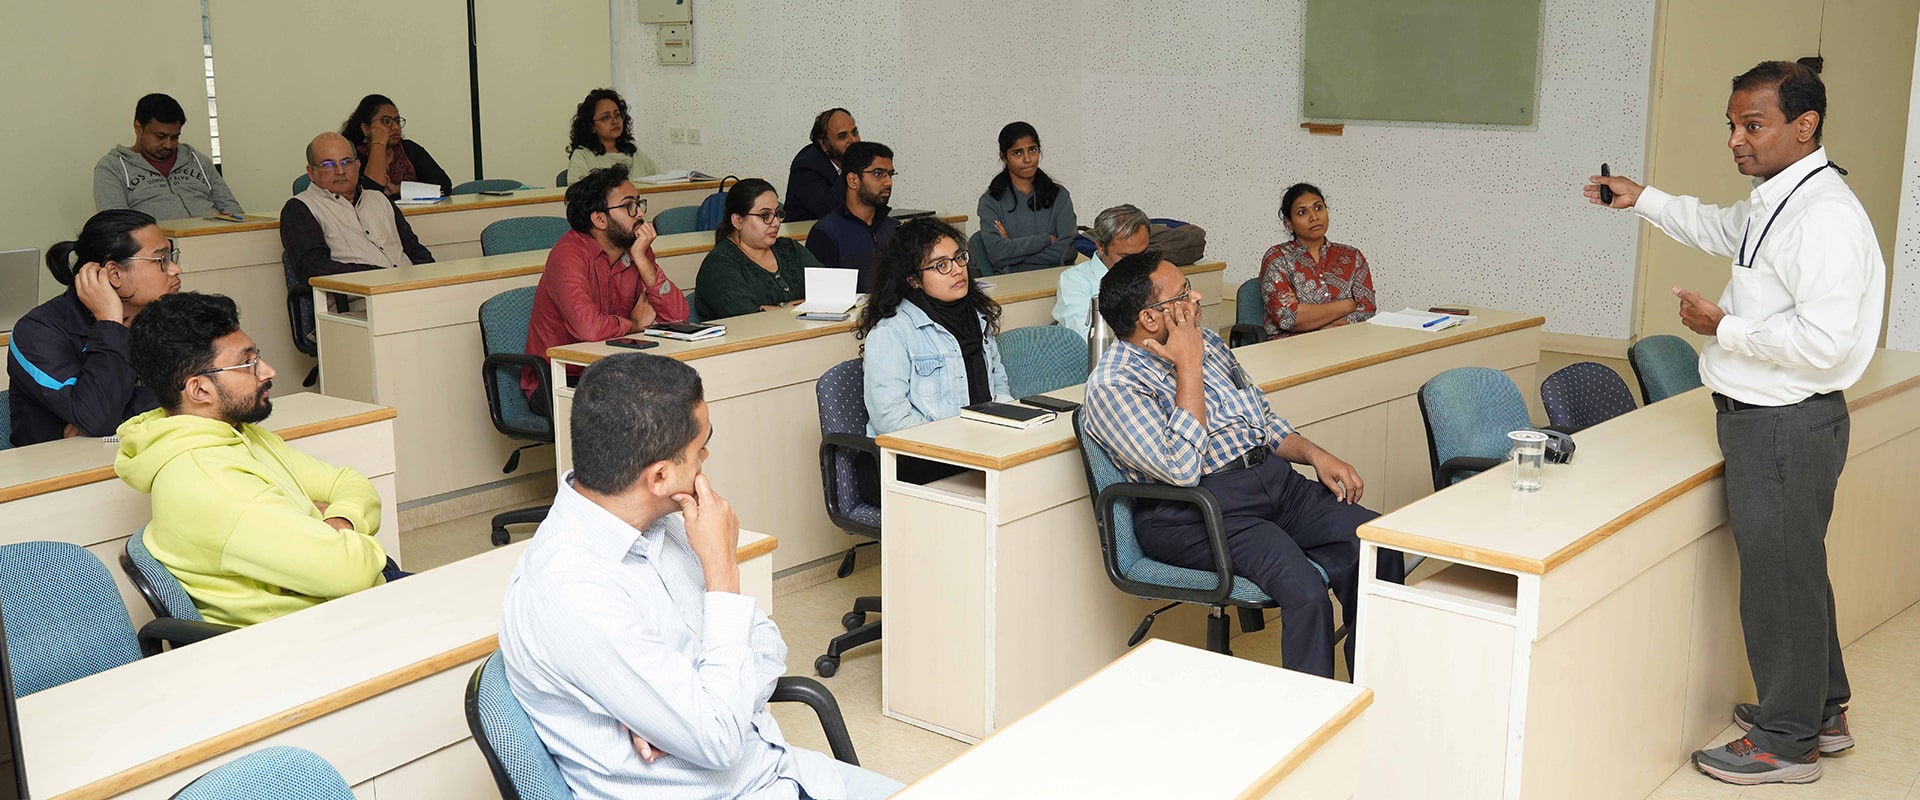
1804,317
608,629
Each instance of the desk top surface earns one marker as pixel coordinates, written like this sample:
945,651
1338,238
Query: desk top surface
1624,469
52,466
1276,365
241,687
196,226
1261,723
769,328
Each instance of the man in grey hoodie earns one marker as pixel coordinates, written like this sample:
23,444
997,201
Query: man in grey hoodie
159,174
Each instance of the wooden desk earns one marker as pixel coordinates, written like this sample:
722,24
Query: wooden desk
66,491
242,259
1201,725
1596,621
759,381
996,594
375,682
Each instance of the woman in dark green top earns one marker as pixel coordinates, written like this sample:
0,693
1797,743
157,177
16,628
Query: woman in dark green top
751,268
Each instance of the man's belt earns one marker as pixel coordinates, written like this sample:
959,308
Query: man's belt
1251,458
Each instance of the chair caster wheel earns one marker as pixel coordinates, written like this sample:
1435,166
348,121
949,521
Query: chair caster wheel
853,619
501,537
826,665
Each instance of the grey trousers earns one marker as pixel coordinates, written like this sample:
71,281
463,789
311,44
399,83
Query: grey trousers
1782,466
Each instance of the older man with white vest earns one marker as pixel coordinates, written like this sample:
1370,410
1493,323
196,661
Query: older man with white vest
334,227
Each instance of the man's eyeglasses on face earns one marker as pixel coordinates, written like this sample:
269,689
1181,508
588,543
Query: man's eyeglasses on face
340,165
1187,290
770,217
251,365
172,256
878,173
945,266
635,206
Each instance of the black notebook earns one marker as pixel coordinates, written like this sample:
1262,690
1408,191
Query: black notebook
1007,414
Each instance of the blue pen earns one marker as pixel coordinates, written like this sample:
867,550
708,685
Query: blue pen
1433,323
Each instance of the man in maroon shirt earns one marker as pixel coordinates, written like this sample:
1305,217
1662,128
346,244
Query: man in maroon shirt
602,280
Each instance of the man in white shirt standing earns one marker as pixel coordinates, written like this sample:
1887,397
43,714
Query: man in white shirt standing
1796,325
625,636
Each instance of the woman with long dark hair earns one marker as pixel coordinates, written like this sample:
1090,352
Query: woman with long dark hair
68,362
386,156
602,136
1308,283
751,268
1026,220
929,330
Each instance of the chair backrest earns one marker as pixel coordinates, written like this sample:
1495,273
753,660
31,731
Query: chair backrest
503,331
1102,473
1469,411
522,767
1666,365
841,396
679,219
65,619
977,254
6,420
157,584
282,773
306,335
1042,358
521,234
1585,394
560,179
301,182
489,185
1249,308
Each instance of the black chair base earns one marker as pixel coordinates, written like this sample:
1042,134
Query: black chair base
846,561
518,516
859,632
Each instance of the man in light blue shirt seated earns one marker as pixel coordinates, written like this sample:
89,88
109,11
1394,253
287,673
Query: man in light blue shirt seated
625,636
1118,232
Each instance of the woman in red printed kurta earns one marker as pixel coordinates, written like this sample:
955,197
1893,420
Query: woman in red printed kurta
1309,283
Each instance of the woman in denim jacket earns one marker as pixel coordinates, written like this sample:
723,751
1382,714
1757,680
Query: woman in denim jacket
929,331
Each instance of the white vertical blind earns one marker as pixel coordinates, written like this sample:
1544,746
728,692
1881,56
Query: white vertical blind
537,60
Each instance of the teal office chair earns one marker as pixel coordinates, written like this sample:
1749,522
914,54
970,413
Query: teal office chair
522,234
1468,412
1042,358
1583,395
977,253
1666,366
679,219
301,183
1249,315
848,460
503,336
282,773
158,586
560,179
1133,572
693,311
489,185
6,420
65,619
522,767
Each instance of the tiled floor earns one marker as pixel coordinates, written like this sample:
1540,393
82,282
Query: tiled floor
1882,665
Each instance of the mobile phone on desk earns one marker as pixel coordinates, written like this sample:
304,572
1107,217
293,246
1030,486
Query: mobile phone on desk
1458,312
1053,404
632,343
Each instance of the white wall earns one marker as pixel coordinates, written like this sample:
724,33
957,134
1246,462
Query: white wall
1189,110
1903,307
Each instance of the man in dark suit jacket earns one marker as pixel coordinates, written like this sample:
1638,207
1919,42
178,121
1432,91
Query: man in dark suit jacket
813,183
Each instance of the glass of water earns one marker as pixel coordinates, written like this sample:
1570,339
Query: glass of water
1529,452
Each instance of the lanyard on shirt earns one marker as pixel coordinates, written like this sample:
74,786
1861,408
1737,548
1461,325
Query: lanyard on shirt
1748,257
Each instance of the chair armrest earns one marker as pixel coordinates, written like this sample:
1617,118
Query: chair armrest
1566,429
849,441
798,689
178,632
1244,334
494,363
1210,516
1462,467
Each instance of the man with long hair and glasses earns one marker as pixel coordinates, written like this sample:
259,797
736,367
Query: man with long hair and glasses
813,182
253,528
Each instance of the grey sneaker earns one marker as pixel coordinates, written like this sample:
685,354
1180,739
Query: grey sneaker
1740,762
1835,736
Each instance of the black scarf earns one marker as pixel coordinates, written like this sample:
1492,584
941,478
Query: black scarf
961,320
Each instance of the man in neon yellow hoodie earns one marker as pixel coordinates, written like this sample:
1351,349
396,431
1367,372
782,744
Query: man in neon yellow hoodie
253,528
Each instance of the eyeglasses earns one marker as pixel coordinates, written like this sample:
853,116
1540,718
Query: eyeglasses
251,365
635,207
172,256
878,173
606,118
393,122
946,265
1187,290
770,217
340,165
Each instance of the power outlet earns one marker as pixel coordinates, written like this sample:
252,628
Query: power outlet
677,135
693,136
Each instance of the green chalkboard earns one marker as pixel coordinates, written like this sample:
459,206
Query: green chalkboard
1422,60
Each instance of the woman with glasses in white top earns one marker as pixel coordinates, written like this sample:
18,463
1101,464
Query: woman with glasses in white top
602,136
68,361
751,268
928,329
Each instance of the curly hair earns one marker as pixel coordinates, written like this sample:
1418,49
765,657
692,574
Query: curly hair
582,135
898,259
